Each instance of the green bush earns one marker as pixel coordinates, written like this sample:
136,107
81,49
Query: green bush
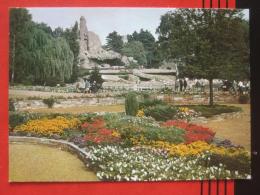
243,99
131,104
49,102
151,102
161,112
209,111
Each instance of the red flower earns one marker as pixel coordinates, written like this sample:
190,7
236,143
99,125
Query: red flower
193,132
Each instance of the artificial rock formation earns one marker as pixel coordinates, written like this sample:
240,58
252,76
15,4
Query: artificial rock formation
91,51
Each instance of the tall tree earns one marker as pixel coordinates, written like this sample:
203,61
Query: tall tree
114,42
35,56
20,21
72,35
136,50
209,43
148,41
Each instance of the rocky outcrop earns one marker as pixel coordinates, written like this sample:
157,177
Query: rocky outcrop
92,54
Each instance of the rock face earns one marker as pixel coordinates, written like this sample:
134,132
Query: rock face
91,51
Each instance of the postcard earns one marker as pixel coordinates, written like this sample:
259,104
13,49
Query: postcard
128,94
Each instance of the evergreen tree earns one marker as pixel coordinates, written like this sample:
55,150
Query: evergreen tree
114,42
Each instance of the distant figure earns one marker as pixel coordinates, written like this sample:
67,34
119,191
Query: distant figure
240,87
181,85
87,86
185,84
177,85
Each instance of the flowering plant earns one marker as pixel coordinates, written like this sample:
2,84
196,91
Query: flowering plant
185,113
47,126
193,132
97,133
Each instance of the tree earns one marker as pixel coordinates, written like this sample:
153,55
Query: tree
20,20
71,35
136,50
95,80
35,55
114,42
148,41
208,43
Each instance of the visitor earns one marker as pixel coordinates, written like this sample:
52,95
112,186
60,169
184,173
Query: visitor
185,84
177,85
87,86
240,87
181,85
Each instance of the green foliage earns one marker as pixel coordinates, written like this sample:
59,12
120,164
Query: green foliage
209,111
150,102
131,104
49,102
71,36
95,80
35,55
136,50
148,41
161,112
243,99
114,42
206,43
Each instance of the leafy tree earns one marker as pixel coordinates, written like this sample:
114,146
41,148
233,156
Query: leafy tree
58,32
95,80
136,50
20,20
36,56
114,42
148,41
208,43
71,35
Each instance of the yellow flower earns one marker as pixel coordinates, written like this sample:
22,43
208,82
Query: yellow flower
46,126
140,113
115,133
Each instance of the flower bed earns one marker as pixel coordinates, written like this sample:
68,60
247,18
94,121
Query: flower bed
138,148
193,132
139,164
47,126
96,133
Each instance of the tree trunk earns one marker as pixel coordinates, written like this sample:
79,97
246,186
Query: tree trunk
13,60
211,92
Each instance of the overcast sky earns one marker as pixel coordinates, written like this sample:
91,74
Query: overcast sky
103,20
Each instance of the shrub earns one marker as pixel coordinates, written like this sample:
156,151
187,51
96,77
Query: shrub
161,112
131,104
209,111
49,102
150,102
243,99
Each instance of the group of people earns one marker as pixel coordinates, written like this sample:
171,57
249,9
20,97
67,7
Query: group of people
84,86
198,85
181,85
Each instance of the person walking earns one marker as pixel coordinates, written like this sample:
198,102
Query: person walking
181,85
177,85
185,84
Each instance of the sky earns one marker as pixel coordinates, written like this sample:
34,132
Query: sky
104,20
